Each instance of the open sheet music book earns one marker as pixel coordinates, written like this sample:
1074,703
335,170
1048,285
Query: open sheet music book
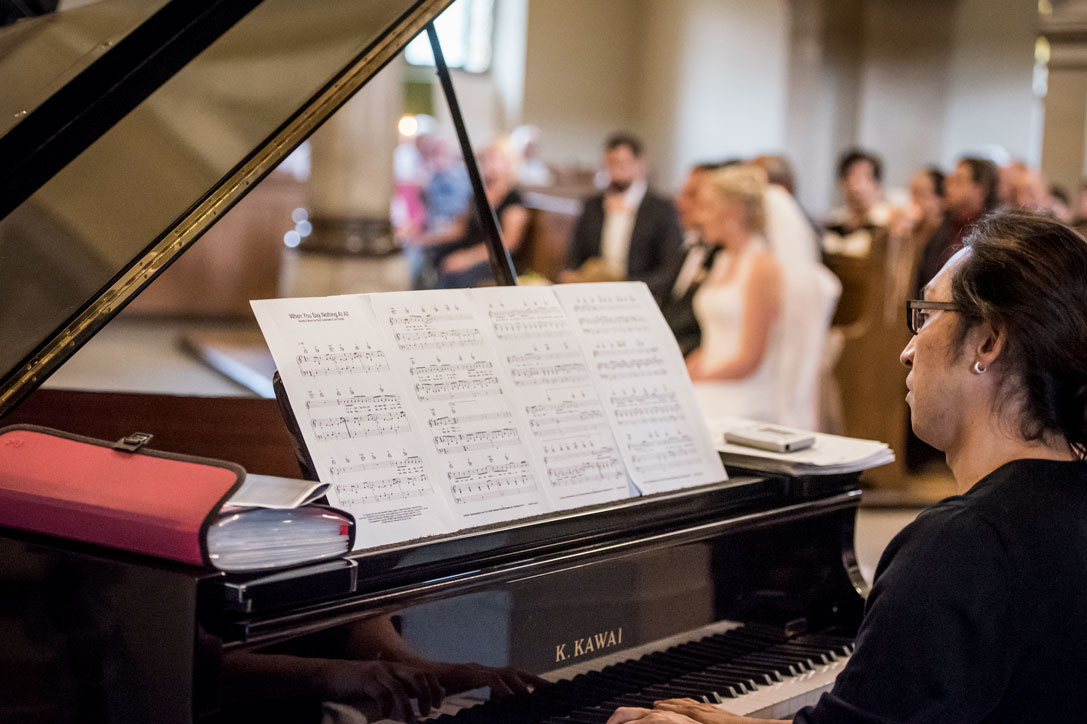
435,411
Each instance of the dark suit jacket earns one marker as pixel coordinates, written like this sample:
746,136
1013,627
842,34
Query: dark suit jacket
655,239
679,311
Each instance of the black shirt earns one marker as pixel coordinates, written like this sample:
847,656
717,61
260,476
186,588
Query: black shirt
473,230
979,609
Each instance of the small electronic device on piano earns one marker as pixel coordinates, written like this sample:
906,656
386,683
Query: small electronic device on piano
744,591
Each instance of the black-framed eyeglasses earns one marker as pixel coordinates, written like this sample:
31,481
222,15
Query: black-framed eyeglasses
916,312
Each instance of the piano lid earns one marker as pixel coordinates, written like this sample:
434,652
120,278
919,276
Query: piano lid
128,127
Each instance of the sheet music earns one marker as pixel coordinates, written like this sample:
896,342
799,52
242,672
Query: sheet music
453,376
355,421
643,382
568,430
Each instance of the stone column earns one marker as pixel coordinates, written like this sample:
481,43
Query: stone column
344,240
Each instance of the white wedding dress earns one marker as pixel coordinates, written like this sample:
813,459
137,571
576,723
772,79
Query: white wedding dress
719,308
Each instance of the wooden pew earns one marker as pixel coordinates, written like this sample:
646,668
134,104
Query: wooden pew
869,325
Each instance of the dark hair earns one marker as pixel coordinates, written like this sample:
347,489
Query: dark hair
855,156
985,173
1059,193
622,138
937,177
1026,275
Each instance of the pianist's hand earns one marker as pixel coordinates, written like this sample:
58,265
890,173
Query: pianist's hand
647,716
382,689
503,682
703,713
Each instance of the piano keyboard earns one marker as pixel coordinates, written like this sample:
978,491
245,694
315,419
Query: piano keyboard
751,670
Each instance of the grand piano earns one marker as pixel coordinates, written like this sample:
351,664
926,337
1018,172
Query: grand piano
127,129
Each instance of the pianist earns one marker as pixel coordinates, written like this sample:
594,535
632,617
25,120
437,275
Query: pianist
978,609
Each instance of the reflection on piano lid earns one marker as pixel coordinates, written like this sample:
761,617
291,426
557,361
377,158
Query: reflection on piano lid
145,127
117,158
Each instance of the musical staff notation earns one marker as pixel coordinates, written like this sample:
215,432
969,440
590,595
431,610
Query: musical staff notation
530,400
341,363
596,471
494,480
349,427
565,373
472,441
462,390
446,422
358,404
619,369
529,358
608,302
528,321
640,407
438,339
402,479
569,419
663,453
400,487
521,329
398,320
447,371
364,466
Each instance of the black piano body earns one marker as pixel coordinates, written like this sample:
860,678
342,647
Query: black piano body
95,635
102,636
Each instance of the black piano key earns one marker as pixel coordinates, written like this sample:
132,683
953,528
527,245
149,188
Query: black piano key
596,714
689,656
678,691
797,665
631,700
717,678
761,674
585,718
817,653
723,649
748,678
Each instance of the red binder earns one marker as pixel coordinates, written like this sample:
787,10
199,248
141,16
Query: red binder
113,494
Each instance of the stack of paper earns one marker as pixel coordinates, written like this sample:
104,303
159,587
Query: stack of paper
269,522
830,455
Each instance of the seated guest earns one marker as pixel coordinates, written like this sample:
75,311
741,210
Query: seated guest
1059,203
446,196
969,192
525,149
912,226
689,267
740,301
628,231
466,261
1030,191
974,614
851,228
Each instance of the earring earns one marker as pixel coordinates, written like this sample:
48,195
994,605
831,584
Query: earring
978,369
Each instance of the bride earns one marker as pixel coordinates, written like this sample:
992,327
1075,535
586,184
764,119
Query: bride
739,304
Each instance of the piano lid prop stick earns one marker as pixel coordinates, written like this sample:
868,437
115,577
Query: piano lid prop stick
501,263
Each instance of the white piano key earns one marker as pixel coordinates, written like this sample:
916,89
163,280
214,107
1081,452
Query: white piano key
783,698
